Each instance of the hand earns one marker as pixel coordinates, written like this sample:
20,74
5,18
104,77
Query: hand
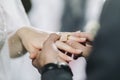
49,53
32,38
64,46
85,46
75,37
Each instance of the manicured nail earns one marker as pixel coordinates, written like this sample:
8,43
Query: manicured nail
83,39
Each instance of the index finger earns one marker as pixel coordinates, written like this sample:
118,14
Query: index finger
88,36
51,39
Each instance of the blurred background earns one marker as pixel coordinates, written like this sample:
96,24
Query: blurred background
62,15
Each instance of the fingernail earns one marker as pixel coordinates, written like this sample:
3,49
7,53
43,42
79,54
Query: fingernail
83,39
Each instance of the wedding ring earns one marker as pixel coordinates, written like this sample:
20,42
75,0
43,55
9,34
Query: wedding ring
65,37
68,36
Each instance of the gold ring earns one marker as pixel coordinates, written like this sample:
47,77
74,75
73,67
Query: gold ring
68,36
65,37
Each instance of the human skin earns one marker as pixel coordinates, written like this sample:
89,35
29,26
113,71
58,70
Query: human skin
31,39
50,50
50,53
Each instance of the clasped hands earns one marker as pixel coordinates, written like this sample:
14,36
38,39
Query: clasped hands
62,48
45,47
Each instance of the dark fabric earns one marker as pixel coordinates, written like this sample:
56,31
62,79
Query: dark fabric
52,66
27,5
104,61
73,16
57,74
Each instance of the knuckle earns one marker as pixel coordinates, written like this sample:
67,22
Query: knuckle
53,34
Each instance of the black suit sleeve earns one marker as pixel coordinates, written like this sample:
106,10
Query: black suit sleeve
104,61
56,74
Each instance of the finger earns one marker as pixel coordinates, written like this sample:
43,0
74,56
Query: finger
85,49
65,47
32,49
71,36
53,37
77,39
84,35
33,56
64,36
64,57
48,44
75,44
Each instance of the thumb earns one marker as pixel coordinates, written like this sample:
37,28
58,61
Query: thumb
33,56
52,38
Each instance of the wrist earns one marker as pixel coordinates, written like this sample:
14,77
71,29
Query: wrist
16,47
20,32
